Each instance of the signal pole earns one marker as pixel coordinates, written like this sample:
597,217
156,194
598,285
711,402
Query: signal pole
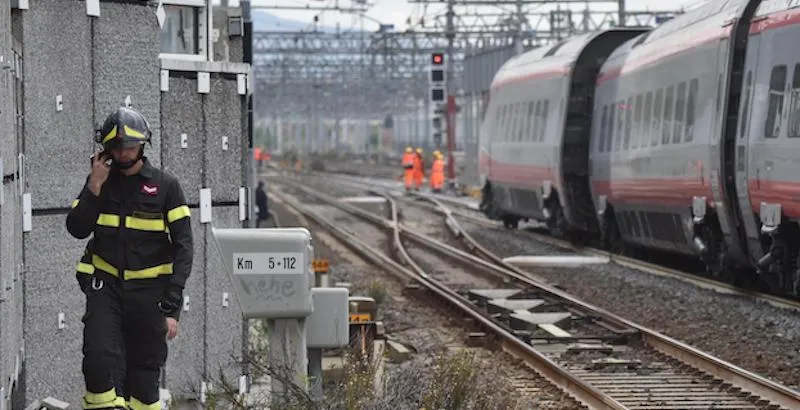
450,112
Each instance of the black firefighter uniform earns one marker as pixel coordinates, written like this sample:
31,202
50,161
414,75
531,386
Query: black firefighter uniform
141,251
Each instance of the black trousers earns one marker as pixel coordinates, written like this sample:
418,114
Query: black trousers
124,344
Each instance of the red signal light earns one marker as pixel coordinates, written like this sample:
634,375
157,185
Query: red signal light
437,58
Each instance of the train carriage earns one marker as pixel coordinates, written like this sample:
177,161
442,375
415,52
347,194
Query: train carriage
661,152
768,144
535,153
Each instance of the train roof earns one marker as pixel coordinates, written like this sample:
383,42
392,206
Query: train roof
704,23
555,58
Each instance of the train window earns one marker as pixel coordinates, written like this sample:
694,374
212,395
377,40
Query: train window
543,127
523,121
628,117
536,119
667,128
680,107
794,100
512,132
655,132
746,106
620,125
601,133
637,122
777,85
506,121
648,108
610,131
691,103
531,136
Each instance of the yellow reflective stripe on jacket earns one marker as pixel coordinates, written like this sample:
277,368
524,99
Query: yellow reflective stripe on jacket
108,220
75,202
142,224
147,273
85,268
136,404
104,266
177,213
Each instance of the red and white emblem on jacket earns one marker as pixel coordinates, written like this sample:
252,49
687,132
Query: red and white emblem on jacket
150,189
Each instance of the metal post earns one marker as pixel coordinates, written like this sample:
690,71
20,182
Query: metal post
518,39
315,373
287,355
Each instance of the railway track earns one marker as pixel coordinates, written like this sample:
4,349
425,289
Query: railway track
604,361
436,204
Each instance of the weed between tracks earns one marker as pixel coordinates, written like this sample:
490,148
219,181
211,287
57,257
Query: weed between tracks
449,381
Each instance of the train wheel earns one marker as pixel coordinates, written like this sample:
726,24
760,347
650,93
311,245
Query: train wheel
715,257
557,224
796,277
612,238
487,202
510,222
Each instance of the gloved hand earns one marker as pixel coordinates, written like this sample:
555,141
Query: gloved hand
171,302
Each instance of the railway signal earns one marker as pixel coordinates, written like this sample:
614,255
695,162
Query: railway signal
437,78
437,130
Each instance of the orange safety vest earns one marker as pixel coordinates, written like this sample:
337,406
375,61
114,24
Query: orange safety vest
437,173
408,160
257,154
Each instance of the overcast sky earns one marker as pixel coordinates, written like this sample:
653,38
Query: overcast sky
398,11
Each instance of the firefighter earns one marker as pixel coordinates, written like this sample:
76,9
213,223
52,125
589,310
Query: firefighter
136,266
408,168
437,172
419,169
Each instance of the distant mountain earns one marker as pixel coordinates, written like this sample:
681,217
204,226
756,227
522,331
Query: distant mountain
265,21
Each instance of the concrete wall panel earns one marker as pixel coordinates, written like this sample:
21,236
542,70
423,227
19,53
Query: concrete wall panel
56,63
50,289
185,362
222,112
126,64
184,162
224,323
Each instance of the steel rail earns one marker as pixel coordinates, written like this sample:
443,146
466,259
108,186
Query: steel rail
744,379
626,261
579,389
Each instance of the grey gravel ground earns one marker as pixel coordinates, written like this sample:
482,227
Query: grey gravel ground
750,334
428,331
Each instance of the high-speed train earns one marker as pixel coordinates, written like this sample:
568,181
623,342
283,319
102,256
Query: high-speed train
684,138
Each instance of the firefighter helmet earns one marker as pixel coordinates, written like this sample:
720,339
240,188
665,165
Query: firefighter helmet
408,149
124,128
419,150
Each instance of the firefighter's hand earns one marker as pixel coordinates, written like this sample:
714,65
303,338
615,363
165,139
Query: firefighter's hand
172,328
100,171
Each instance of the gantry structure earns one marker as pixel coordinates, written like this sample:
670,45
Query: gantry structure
352,73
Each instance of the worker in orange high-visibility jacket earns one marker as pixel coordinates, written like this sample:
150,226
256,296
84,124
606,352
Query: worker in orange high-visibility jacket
419,169
408,168
437,172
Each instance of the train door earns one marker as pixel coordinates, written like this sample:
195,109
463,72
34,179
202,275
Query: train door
744,131
717,160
